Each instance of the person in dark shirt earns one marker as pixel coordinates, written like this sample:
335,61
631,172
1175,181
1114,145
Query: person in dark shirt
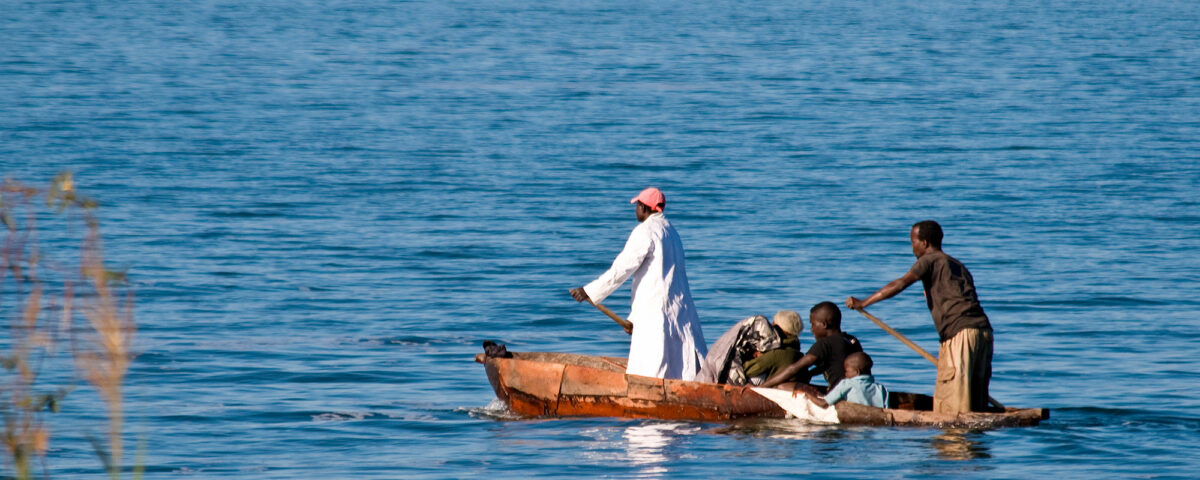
827,355
965,356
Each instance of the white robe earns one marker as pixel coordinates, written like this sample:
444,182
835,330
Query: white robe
667,341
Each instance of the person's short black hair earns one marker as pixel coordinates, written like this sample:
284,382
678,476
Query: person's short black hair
833,314
860,361
929,231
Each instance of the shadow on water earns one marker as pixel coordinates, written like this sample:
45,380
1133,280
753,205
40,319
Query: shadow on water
949,444
775,428
628,448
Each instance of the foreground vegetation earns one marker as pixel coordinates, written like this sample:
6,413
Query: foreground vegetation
58,303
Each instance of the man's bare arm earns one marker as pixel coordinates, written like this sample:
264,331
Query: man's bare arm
790,371
888,291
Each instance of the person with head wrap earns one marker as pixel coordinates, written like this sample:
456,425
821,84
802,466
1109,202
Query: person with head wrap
751,348
766,364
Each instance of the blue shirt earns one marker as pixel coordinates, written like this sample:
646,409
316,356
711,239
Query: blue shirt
861,389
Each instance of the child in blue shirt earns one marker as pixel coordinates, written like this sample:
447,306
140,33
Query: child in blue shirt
859,386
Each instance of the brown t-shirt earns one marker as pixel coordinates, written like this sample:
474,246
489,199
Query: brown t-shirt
950,294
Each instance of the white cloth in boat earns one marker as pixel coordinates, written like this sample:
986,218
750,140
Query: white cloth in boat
667,341
799,406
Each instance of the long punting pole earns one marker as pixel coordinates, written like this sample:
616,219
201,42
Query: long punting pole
626,324
911,345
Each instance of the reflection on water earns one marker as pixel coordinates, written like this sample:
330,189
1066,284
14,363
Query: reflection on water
788,429
959,444
652,445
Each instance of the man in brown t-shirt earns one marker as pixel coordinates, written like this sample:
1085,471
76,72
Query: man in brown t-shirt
965,356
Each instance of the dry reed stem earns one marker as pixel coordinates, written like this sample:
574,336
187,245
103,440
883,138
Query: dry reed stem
25,436
102,355
107,361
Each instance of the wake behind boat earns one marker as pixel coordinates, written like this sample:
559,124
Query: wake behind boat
546,384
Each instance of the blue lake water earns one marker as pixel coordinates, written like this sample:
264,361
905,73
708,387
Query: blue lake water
325,207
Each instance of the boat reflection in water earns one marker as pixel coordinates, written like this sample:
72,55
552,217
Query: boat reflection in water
774,428
959,444
649,445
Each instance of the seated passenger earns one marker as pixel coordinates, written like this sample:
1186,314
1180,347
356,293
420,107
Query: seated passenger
747,339
764,365
859,386
829,352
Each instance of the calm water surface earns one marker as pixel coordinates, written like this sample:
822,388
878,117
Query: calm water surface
325,207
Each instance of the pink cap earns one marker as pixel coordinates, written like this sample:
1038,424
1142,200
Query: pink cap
651,197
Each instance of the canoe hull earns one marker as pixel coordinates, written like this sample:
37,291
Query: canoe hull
564,385
542,384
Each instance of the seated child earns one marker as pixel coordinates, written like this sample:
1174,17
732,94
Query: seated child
859,386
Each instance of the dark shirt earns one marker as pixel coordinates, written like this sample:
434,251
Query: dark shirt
950,294
831,352
772,361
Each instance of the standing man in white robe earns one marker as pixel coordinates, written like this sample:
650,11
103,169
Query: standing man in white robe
667,341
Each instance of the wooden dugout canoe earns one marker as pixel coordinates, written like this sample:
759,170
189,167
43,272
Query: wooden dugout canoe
545,384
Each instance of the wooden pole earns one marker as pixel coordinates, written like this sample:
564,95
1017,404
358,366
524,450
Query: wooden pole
911,345
626,324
